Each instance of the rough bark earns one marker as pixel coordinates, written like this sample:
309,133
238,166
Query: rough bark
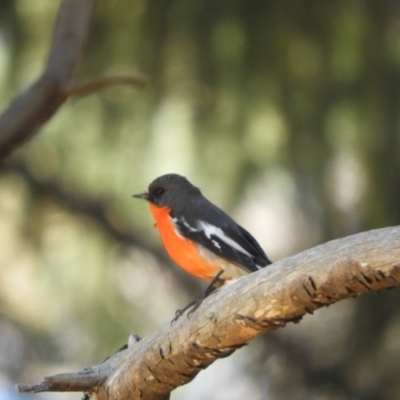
258,303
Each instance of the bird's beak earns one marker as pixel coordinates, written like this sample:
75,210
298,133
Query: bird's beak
143,195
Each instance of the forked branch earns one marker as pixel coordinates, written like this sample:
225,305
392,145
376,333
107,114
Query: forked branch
34,107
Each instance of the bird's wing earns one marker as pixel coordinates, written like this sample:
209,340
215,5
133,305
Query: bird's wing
225,238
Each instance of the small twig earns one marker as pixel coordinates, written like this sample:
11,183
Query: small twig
92,85
41,387
82,381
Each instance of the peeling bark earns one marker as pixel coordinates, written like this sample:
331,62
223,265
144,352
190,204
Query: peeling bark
260,302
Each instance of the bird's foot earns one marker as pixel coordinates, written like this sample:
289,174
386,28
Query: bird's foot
192,307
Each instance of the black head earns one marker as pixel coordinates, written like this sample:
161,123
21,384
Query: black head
167,189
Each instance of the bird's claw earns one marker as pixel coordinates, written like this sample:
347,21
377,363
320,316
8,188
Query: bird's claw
192,307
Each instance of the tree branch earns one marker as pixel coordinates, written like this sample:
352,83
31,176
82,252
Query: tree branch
41,100
258,303
31,109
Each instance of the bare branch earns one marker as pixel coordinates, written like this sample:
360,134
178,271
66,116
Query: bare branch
39,102
258,303
31,109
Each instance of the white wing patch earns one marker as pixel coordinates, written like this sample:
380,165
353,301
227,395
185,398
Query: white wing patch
209,230
188,226
216,244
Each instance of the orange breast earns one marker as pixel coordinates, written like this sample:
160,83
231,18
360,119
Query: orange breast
181,250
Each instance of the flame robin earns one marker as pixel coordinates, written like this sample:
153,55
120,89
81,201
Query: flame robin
198,236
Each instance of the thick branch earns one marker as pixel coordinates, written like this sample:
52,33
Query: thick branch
258,303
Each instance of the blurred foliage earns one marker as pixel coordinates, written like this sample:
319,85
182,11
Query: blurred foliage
286,114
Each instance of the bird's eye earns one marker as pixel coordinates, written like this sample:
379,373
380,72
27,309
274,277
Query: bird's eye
159,191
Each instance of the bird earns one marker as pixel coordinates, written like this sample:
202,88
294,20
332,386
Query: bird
200,237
